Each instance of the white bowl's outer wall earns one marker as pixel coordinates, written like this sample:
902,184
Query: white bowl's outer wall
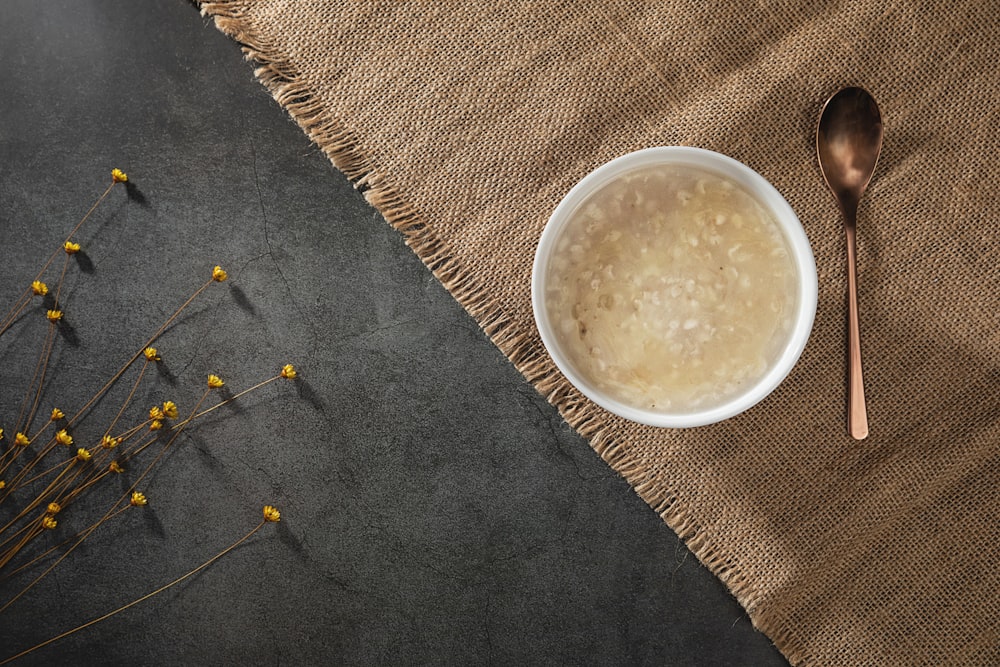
764,193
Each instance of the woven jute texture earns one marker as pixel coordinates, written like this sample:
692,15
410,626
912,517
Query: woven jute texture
465,123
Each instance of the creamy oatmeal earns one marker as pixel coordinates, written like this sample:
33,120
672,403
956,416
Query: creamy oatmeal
671,289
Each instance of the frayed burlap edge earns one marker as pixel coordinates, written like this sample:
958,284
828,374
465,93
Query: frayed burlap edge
524,349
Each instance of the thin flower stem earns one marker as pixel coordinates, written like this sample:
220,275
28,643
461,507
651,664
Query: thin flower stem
128,399
41,379
46,355
228,400
95,471
14,451
39,432
39,499
13,551
12,454
59,493
173,437
114,378
62,279
16,310
83,220
23,472
24,566
138,449
47,472
13,535
84,536
33,529
142,599
130,433
126,454
8,320
16,482
90,481
126,495
49,338
20,304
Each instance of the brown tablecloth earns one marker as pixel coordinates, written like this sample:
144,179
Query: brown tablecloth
465,123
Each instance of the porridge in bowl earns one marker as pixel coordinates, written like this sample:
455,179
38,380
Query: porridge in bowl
671,289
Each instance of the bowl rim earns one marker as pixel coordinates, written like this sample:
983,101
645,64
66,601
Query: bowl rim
767,195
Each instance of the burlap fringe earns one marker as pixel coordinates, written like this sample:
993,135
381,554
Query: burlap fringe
281,79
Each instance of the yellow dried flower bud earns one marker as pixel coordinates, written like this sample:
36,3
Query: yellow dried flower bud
119,176
64,438
155,413
288,371
82,454
214,382
218,274
108,442
48,522
21,440
54,508
138,500
54,315
271,514
151,354
57,414
170,409
39,288
2,484
1,434
116,467
155,425
71,248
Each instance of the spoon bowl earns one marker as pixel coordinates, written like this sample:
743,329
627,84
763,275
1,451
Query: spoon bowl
848,143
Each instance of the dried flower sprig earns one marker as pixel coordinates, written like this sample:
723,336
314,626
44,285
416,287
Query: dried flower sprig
287,372
271,515
67,494
38,288
62,484
146,349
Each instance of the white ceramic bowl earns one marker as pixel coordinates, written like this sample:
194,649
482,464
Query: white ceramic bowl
766,195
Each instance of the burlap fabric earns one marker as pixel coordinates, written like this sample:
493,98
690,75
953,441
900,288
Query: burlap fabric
465,123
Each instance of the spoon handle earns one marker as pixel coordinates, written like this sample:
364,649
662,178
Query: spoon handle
857,413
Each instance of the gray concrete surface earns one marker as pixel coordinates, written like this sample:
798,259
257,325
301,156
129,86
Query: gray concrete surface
435,509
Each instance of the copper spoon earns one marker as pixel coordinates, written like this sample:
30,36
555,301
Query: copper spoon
848,143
